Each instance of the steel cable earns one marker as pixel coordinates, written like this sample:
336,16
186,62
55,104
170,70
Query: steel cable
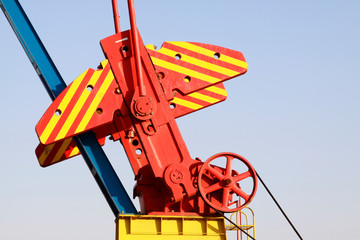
222,214
278,205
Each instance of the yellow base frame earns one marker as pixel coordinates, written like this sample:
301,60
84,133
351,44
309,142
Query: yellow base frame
156,227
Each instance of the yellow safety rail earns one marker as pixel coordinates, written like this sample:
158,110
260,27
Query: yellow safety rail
242,222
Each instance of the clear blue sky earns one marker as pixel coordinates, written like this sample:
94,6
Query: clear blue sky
295,114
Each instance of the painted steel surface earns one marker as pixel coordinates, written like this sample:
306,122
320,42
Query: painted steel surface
159,143
167,227
192,73
194,66
56,152
179,78
85,104
135,97
212,178
185,81
33,47
160,159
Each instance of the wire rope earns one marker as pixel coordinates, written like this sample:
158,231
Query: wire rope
278,205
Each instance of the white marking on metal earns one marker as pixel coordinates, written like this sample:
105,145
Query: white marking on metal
121,40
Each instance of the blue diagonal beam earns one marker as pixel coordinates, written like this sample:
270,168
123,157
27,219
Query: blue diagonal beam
90,149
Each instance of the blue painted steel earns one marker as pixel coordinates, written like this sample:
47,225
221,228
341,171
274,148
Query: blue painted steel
104,174
33,47
91,150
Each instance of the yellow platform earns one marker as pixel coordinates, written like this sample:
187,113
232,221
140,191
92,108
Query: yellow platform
155,227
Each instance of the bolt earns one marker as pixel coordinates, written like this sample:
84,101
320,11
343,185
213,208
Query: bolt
227,181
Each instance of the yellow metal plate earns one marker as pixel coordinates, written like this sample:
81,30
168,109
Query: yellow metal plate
155,227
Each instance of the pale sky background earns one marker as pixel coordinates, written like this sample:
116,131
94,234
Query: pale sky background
295,114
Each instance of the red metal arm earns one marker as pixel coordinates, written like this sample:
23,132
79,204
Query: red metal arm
136,44
116,16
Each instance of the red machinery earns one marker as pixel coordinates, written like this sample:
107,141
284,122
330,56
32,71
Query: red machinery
135,96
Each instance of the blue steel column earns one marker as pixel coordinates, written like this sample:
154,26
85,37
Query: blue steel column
90,149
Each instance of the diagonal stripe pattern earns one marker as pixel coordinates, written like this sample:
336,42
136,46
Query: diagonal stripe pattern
197,71
71,112
53,153
205,66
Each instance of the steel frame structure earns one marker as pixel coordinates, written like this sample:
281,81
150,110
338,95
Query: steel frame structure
135,96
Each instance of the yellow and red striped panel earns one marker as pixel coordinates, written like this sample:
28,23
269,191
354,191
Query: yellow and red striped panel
193,76
192,73
185,104
56,152
80,107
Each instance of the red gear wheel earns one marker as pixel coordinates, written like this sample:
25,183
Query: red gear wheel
217,185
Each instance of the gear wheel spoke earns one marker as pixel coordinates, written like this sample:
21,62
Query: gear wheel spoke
212,179
212,188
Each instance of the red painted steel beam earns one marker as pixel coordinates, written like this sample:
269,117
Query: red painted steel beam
116,16
136,44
